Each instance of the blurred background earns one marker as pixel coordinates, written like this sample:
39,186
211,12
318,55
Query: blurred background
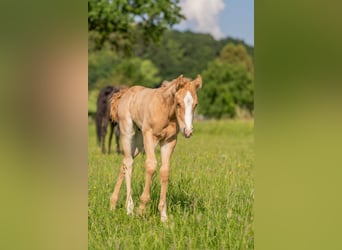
146,42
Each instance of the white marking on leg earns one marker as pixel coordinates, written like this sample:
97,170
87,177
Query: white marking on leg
130,206
162,209
188,101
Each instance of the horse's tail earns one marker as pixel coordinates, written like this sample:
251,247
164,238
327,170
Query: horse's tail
114,103
101,110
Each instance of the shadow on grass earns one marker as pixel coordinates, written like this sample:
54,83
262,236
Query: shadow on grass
181,197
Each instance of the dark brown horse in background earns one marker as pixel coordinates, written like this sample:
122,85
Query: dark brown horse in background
103,119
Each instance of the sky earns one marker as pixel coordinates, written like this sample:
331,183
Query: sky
220,18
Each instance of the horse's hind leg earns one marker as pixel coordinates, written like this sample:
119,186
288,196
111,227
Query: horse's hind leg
115,195
126,168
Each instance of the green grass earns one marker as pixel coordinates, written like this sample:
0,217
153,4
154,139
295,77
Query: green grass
210,195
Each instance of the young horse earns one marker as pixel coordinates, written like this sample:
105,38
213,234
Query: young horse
148,117
103,119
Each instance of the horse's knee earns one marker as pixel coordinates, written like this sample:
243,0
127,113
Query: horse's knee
127,163
164,173
151,166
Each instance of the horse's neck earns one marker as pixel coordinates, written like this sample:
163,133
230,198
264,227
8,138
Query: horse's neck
169,97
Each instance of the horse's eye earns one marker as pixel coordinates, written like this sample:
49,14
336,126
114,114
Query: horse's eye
195,105
178,105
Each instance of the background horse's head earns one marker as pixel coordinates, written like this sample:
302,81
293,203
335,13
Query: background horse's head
186,103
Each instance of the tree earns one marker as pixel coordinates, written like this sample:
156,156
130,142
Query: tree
236,54
226,87
120,23
228,83
100,66
184,52
137,71
106,68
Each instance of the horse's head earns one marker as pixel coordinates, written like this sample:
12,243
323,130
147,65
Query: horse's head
186,102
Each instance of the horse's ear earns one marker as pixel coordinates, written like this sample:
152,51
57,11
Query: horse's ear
198,82
165,83
180,82
172,87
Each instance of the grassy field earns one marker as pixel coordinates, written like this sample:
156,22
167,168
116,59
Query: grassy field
210,196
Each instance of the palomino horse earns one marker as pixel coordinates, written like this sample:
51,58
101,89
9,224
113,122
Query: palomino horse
148,117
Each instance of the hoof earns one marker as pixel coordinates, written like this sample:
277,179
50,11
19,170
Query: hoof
130,212
112,204
130,207
163,218
141,210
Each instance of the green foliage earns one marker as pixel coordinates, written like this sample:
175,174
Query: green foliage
227,69
105,68
100,66
92,99
210,195
226,87
185,53
118,28
228,83
236,54
137,71
122,23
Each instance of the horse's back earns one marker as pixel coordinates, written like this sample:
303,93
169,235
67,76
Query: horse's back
137,97
136,88
127,101
135,103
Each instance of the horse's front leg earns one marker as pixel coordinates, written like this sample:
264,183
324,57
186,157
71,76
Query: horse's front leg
166,151
150,143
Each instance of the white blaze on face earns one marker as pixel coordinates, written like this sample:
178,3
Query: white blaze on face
188,101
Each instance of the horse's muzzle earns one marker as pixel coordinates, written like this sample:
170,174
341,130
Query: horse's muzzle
187,133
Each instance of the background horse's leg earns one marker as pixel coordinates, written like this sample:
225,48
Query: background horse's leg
98,121
166,150
117,138
139,143
112,124
103,134
150,143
